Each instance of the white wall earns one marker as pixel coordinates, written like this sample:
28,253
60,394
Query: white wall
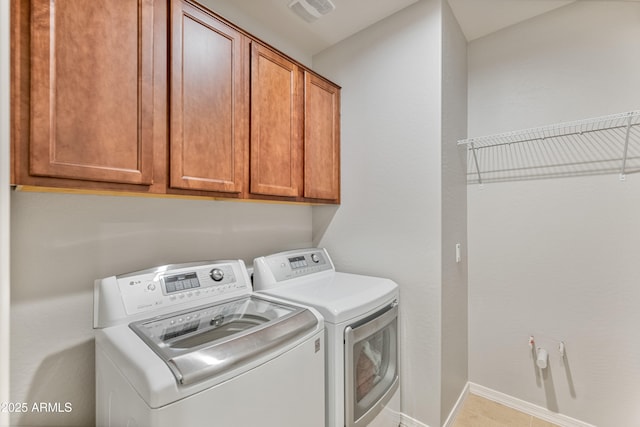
4,208
557,258
390,220
454,213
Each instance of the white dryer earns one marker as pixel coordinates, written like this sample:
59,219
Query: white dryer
361,321
189,345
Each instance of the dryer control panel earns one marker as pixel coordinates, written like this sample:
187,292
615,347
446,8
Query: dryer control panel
271,269
153,291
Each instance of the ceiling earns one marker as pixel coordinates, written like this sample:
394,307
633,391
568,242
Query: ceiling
476,17
349,17
481,17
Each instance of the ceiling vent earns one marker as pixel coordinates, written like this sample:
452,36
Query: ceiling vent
311,10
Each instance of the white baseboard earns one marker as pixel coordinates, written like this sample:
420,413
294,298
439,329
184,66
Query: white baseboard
526,407
504,399
456,408
407,421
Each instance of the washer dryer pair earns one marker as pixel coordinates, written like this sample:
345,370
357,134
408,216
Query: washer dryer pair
361,322
191,345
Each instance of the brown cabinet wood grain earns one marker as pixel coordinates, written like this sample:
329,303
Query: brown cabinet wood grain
168,98
276,124
91,75
321,139
209,102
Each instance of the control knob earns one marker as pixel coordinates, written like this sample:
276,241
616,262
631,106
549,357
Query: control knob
217,274
217,321
315,258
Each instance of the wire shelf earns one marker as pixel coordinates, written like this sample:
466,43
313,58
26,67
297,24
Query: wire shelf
601,145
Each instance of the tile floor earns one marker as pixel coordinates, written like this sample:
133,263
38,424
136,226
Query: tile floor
480,412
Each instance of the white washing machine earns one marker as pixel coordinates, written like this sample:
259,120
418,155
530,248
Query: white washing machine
361,321
189,345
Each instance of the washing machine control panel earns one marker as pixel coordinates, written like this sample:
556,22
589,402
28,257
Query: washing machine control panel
164,286
282,266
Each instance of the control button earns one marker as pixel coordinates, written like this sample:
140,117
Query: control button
315,258
172,322
197,293
151,286
189,294
180,320
217,274
172,297
181,296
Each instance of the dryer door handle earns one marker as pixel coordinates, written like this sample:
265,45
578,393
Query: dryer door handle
372,324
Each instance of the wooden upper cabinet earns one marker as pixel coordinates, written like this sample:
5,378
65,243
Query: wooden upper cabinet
276,124
209,101
321,139
91,115
165,97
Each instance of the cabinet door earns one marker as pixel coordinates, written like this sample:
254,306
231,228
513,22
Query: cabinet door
209,101
321,139
91,90
276,124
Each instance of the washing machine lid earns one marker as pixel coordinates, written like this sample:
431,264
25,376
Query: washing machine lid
199,343
339,297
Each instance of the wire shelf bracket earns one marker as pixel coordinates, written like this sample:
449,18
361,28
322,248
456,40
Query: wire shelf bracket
626,150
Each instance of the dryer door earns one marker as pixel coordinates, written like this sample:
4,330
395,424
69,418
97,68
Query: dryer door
371,365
